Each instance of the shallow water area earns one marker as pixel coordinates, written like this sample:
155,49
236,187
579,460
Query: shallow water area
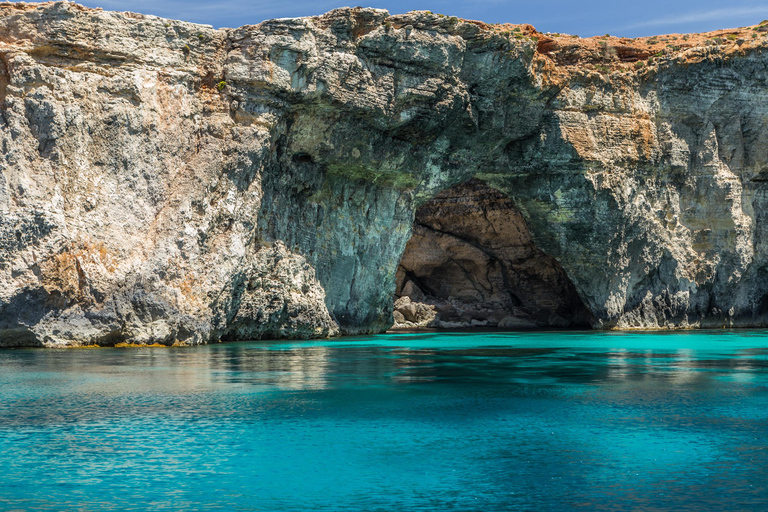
435,421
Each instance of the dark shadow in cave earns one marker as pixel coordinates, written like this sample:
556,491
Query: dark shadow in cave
471,262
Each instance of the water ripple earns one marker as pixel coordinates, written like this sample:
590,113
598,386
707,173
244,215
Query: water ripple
489,421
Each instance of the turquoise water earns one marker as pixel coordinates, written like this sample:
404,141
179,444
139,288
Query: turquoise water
488,421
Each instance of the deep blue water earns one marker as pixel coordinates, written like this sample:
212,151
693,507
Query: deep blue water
488,421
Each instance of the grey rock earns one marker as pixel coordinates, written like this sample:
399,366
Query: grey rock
162,181
511,322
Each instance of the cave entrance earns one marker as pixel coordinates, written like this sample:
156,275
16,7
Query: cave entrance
471,262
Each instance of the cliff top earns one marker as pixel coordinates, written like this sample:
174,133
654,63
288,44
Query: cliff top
571,53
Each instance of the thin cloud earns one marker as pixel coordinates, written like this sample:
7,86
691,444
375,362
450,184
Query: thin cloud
699,17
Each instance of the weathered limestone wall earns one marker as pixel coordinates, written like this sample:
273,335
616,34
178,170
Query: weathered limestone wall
162,181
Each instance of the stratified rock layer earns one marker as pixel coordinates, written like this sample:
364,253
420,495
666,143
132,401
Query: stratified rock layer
162,181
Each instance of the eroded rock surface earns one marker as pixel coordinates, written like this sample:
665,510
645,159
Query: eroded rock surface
472,258
162,181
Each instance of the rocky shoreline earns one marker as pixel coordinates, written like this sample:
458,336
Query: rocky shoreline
165,182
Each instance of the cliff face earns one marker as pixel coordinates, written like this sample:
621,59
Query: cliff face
166,182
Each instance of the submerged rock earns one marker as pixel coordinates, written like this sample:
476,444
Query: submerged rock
165,182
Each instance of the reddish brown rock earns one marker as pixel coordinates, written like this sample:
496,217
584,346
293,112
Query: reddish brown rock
472,257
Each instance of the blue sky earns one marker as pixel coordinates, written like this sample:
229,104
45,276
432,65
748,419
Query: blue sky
585,18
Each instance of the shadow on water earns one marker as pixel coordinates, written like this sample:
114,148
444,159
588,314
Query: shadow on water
484,421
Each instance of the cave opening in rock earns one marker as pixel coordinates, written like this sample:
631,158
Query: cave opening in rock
471,262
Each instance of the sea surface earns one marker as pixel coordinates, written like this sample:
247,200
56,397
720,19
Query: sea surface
401,422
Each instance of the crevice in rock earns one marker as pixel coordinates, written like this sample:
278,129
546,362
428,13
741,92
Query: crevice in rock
471,262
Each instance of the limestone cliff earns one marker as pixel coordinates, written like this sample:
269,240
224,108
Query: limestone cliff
162,181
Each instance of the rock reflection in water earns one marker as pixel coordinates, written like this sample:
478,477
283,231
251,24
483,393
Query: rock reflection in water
297,368
319,366
536,421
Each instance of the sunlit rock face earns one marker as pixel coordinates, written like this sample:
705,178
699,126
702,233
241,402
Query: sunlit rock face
165,182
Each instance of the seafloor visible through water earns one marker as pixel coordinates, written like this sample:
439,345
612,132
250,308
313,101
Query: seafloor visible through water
484,421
